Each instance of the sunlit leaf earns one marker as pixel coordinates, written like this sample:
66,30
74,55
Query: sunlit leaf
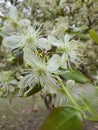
63,118
74,75
93,35
83,37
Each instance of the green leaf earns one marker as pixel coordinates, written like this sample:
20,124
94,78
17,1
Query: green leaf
75,75
83,37
93,35
32,90
63,118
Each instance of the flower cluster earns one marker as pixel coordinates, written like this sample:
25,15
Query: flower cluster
43,55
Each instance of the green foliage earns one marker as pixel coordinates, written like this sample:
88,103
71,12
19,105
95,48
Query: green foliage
93,35
63,118
74,75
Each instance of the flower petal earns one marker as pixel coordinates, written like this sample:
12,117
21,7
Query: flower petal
43,43
63,62
53,63
13,12
24,22
67,38
53,41
12,42
30,58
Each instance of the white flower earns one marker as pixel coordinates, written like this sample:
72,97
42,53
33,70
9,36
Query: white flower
40,72
13,24
29,38
74,89
7,84
52,65
70,49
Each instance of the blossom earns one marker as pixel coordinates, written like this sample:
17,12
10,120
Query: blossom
7,84
70,49
22,34
74,89
29,37
13,23
41,72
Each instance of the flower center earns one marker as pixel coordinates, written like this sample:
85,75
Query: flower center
67,48
41,72
30,40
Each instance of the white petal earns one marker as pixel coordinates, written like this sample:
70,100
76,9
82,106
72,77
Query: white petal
63,62
13,12
30,58
53,41
53,63
67,38
43,43
65,56
7,28
12,42
24,22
